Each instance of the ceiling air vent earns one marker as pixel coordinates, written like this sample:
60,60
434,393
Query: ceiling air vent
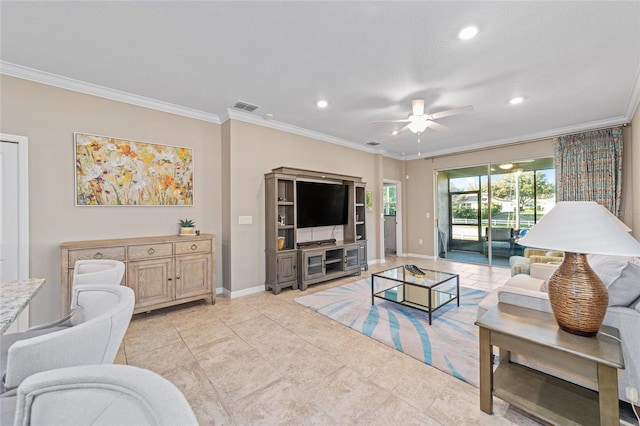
373,143
245,106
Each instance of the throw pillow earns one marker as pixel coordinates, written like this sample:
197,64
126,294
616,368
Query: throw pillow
553,253
625,289
608,268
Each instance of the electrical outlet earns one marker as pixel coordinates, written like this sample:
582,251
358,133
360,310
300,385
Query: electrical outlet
632,394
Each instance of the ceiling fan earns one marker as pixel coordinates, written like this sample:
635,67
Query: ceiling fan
418,121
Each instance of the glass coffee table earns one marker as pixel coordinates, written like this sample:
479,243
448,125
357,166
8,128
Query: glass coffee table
399,286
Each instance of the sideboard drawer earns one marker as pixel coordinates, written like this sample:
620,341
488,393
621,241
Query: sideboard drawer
149,251
113,253
195,246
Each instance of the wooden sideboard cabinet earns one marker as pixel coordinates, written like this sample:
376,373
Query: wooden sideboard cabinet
162,271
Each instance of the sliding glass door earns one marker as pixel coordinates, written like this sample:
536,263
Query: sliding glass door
484,210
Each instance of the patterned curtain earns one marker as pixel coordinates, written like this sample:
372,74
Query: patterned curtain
589,168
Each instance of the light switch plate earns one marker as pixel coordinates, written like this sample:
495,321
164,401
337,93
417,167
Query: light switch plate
245,220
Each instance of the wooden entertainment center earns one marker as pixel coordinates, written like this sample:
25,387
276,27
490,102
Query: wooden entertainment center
296,264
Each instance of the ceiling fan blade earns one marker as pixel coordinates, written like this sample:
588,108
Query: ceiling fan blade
390,121
403,128
449,112
437,126
417,105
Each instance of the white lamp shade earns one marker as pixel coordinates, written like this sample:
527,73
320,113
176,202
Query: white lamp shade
582,227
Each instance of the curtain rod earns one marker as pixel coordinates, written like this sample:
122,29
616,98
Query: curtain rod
487,148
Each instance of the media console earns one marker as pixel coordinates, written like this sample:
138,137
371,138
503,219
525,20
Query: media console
327,262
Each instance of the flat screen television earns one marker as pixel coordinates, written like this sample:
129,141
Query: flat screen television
321,204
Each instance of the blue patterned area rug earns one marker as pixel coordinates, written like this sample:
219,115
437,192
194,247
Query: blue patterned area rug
450,344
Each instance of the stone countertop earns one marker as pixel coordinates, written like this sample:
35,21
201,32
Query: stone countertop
14,297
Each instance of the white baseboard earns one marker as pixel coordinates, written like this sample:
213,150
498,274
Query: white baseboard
421,256
245,292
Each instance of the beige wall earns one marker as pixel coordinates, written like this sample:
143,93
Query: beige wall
49,116
627,199
256,150
226,201
393,169
632,211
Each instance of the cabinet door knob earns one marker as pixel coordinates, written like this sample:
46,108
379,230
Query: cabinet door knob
194,246
151,251
169,279
178,277
98,255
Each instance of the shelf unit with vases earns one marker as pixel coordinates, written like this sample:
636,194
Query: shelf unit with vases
358,230
280,232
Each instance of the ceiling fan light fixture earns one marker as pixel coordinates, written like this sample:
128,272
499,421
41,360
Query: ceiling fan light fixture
418,126
468,33
322,103
516,100
506,166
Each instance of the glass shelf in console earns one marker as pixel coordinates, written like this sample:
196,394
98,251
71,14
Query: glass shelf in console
399,286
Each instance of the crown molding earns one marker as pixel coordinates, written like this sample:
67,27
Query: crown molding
531,137
278,125
13,70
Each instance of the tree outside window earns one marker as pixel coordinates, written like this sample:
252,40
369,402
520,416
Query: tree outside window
389,200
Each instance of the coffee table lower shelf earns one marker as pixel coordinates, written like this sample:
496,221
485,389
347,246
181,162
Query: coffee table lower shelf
420,299
548,398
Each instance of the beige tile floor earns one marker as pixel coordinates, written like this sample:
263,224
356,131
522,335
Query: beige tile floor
265,359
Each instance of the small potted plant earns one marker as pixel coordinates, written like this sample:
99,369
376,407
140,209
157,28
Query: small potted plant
187,227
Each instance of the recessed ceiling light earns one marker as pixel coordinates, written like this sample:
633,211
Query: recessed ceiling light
517,100
395,132
506,166
322,103
468,33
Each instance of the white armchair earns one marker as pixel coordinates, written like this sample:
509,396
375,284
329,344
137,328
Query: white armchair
98,271
98,394
91,335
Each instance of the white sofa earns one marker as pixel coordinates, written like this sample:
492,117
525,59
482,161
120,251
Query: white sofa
623,282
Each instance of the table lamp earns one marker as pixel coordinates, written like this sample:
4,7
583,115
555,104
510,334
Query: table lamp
578,297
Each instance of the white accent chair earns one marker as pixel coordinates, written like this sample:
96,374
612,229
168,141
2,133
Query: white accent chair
91,335
98,271
98,395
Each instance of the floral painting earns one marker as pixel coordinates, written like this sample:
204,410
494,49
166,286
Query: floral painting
112,171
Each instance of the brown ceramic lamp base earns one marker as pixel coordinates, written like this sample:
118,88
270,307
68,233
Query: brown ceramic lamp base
578,298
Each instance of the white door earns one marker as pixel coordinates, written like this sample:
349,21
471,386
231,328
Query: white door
9,212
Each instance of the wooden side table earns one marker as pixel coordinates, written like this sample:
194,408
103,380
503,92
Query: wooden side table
551,399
